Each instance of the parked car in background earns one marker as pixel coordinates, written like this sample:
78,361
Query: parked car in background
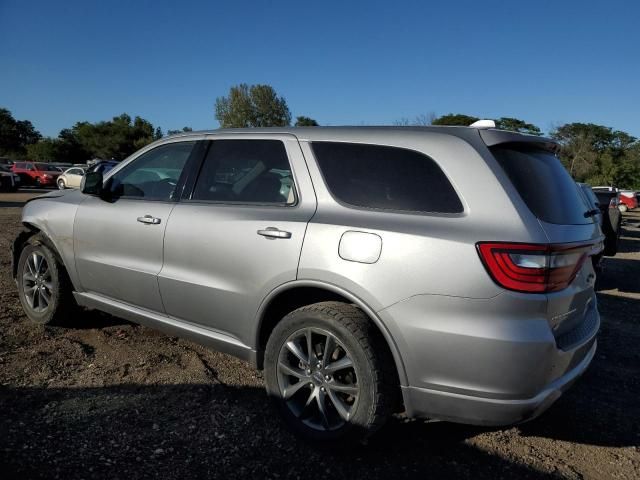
71,178
629,199
443,271
36,173
626,200
608,201
103,166
62,165
9,181
604,207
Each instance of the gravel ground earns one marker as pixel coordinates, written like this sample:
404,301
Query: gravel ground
109,399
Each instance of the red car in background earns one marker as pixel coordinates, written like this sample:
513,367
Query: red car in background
629,199
36,173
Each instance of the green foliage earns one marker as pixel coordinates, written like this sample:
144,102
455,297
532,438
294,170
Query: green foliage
184,129
252,106
303,121
503,123
455,119
599,155
517,125
15,135
45,150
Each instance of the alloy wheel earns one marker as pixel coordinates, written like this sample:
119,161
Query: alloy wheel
37,283
317,379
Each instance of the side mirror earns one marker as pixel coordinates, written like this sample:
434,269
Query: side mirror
92,184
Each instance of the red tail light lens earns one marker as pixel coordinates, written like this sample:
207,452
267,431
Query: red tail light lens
534,268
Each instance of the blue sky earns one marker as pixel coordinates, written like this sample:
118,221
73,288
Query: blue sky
547,62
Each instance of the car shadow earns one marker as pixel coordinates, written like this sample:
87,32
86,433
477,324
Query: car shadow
90,319
214,431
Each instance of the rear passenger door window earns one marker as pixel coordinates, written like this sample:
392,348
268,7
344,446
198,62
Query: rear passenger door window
383,177
246,172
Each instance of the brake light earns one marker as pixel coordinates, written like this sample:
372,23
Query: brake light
535,268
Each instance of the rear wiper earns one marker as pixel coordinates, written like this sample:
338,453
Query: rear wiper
591,213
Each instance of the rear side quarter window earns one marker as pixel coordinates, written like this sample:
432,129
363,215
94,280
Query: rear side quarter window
387,178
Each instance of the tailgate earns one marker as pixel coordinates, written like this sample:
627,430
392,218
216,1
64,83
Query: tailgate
555,200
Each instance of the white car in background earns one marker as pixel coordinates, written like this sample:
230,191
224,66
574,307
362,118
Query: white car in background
71,178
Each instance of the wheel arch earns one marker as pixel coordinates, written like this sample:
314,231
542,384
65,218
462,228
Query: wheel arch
21,240
296,294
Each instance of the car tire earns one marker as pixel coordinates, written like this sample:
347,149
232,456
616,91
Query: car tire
37,182
61,184
340,400
622,207
44,288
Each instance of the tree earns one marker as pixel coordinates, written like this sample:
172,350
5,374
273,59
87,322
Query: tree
303,121
252,106
184,129
598,154
455,119
517,125
422,120
46,150
16,135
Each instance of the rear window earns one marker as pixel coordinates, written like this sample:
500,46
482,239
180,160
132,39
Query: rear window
381,177
543,183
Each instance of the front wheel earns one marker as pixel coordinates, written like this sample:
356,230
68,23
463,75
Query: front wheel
330,374
61,184
622,207
44,288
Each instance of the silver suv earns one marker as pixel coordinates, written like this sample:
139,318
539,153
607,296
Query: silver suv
440,271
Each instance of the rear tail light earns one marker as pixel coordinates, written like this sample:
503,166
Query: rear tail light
534,268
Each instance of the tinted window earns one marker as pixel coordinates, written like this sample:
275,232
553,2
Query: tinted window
246,171
375,176
45,167
543,183
154,175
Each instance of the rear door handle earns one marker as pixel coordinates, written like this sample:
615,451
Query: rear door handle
272,233
149,220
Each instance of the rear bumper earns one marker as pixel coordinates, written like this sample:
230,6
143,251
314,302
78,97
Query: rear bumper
492,361
421,402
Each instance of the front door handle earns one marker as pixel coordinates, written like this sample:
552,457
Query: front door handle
149,220
272,233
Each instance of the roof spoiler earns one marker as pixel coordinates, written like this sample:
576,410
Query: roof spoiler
497,137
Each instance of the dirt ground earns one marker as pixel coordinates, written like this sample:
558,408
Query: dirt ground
109,399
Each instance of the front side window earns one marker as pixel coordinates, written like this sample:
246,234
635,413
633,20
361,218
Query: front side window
154,175
246,171
382,177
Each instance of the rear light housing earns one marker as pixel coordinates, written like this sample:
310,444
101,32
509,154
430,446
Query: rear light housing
535,268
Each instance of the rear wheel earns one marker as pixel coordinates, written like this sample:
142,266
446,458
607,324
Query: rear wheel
61,184
43,285
328,372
